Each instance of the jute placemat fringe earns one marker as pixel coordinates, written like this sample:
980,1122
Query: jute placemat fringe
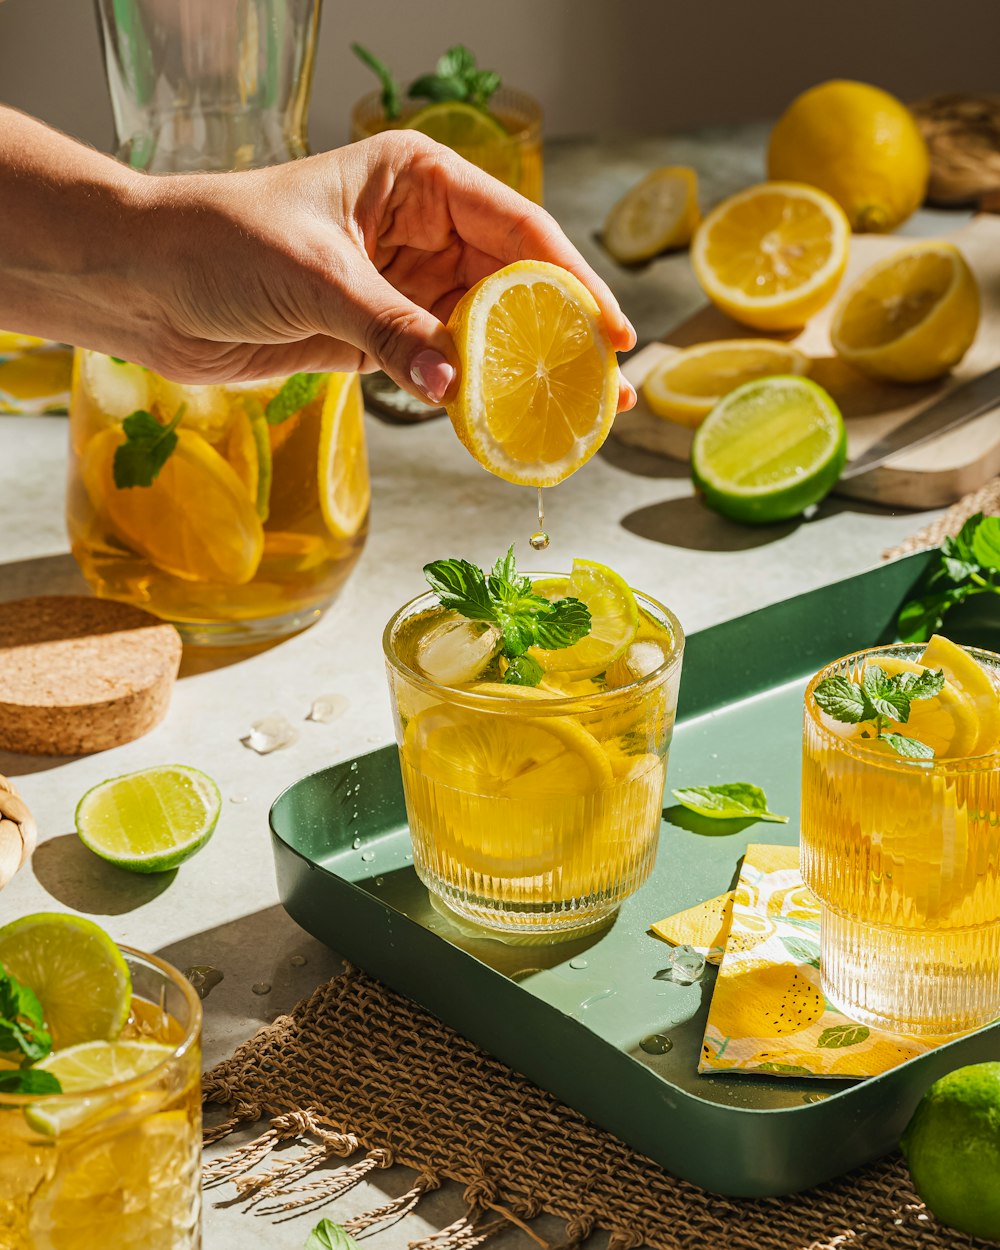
986,500
357,1067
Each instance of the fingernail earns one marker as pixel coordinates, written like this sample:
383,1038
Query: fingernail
432,373
630,328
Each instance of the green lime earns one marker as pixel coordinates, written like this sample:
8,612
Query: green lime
952,1147
88,1068
614,618
262,442
152,820
78,973
769,450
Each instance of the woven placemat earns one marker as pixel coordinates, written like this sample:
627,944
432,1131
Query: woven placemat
986,500
358,1069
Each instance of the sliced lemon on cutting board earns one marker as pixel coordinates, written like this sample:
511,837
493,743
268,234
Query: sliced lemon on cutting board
686,386
772,256
965,674
658,213
539,378
344,482
910,317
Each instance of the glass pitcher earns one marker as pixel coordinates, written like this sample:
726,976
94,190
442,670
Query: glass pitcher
260,512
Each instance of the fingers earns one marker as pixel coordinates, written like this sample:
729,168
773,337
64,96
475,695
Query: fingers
626,394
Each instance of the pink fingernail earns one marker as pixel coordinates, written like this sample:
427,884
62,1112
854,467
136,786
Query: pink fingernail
432,373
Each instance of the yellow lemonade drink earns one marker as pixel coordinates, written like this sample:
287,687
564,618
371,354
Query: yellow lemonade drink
118,1165
534,808
902,846
504,139
234,511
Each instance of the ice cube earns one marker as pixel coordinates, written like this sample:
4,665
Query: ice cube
686,965
206,408
270,734
640,659
117,388
455,651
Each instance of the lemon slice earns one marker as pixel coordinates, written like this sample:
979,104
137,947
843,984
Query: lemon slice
473,133
658,213
90,1068
772,255
242,452
910,317
539,378
686,386
195,521
963,672
149,821
78,973
614,619
344,484
769,450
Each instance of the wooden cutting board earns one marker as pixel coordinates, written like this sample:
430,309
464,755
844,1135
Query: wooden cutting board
931,476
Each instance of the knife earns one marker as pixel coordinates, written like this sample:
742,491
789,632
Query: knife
969,400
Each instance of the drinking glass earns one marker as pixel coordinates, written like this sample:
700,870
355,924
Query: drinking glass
120,1164
902,855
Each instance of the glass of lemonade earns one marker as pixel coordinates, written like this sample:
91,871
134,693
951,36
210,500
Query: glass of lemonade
255,518
119,1165
902,855
533,810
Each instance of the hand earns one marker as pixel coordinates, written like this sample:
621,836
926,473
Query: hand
350,260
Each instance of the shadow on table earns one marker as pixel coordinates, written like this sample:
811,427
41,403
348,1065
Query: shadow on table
82,880
643,463
13,764
43,575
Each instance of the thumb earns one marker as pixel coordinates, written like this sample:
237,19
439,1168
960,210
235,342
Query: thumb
409,343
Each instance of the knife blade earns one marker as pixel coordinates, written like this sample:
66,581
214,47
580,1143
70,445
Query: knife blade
969,400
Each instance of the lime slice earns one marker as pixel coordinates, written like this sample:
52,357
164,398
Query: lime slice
769,450
614,619
149,821
93,1067
78,973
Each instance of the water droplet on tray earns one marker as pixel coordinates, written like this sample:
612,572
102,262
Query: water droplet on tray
204,978
354,766
380,880
656,1044
237,798
356,844
261,987
270,734
578,963
327,708
814,1097
298,961
599,997
368,856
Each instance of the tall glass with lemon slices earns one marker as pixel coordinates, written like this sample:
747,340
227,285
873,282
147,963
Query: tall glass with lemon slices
902,849
242,509
115,1158
536,809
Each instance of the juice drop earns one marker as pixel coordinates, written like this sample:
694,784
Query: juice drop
539,540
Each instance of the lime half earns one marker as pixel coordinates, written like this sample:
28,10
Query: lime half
78,973
152,820
614,619
91,1068
769,449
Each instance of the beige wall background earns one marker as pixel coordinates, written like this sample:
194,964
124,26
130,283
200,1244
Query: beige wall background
598,66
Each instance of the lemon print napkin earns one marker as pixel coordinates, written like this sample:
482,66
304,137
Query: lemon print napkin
768,1013
34,375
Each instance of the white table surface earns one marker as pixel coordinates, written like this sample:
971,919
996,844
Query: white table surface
626,509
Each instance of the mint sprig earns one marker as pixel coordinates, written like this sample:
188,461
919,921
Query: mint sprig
456,77
879,698
733,801
966,565
505,599
23,1033
391,95
147,448
296,391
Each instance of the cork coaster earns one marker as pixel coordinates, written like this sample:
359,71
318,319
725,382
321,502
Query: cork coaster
79,675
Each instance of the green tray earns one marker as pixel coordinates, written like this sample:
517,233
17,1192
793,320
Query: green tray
571,1016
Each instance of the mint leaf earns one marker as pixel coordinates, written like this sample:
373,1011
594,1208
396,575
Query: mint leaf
883,695
737,800
840,1035
841,698
461,586
457,62
909,748
391,96
297,391
523,671
22,1027
436,88
967,565
986,543
921,685
28,1081
329,1236
147,448
482,84
518,635
568,621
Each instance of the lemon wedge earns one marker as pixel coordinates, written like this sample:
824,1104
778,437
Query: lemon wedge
658,213
963,672
344,483
686,386
539,377
910,317
772,256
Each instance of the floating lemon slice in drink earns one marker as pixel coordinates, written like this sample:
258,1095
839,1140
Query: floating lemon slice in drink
195,521
772,255
344,484
78,973
473,133
90,1068
658,213
964,674
686,386
539,377
910,317
614,619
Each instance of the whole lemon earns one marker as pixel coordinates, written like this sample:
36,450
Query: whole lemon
860,145
952,1148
